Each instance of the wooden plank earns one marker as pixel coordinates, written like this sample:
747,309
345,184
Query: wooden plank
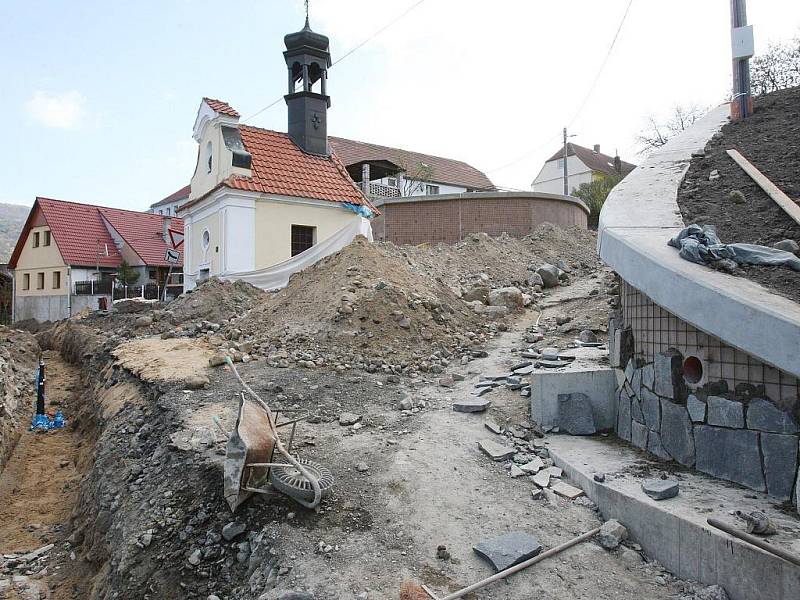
787,204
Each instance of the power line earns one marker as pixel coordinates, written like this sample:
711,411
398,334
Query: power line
526,155
602,66
348,53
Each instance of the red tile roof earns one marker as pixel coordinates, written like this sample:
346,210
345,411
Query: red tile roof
443,170
82,238
221,107
143,232
280,167
181,194
596,161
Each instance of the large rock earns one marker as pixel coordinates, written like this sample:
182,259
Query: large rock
508,550
510,297
575,414
660,489
624,415
725,413
612,533
549,274
731,454
765,416
780,463
676,432
788,246
478,292
651,409
668,375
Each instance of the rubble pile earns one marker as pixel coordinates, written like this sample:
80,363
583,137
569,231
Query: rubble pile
18,359
214,300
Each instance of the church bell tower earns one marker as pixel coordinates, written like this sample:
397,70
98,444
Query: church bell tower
308,58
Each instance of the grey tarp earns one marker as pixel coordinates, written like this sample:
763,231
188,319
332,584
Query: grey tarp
701,245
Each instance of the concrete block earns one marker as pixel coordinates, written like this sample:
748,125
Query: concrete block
731,454
765,416
780,463
624,416
597,383
725,413
639,435
676,432
651,409
575,414
648,376
668,374
697,409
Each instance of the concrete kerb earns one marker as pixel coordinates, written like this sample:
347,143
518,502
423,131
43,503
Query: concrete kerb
674,532
638,218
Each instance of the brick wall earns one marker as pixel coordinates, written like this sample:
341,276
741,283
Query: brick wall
448,220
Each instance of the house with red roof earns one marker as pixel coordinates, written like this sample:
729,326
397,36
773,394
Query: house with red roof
68,255
259,197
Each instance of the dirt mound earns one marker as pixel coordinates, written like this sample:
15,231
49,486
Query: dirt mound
215,300
18,360
366,305
768,140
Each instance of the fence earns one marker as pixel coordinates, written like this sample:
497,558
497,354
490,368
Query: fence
148,291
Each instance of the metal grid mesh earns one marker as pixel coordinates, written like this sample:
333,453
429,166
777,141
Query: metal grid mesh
655,330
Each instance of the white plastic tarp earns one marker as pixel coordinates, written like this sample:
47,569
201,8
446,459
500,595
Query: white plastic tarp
277,276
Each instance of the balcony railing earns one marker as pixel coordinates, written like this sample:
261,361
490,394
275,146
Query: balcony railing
378,190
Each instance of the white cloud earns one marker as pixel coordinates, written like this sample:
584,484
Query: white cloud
59,111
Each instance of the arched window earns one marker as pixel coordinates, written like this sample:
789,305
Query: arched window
206,239
210,156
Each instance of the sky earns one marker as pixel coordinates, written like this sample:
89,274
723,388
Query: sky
100,97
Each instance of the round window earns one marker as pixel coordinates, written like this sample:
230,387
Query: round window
206,239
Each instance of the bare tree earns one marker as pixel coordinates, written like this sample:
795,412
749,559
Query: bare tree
777,69
415,173
657,133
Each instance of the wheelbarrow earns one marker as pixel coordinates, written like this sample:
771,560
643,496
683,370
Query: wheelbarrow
250,462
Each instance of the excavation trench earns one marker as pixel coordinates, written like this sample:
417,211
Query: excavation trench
39,492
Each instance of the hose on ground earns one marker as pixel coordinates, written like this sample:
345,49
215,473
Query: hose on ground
279,445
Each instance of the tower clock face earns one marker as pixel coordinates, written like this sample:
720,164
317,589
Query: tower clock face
316,120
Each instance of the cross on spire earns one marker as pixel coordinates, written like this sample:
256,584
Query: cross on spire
306,3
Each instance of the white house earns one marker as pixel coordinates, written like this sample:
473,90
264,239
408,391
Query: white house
260,197
169,205
584,165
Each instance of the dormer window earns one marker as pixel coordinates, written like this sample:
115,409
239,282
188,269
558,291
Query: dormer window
210,156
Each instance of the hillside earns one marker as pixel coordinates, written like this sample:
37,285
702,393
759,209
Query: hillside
12,218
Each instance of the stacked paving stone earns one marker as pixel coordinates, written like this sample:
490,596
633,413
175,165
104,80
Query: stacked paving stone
748,440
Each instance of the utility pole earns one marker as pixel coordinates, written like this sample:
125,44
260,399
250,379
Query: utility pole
742,50
566,170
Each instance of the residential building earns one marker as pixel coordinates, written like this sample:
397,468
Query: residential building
260,197
169,205
584,165
68,254
384,172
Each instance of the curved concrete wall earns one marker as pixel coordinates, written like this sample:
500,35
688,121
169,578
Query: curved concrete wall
448,218
638,218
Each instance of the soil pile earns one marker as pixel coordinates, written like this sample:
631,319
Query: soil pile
18,359
768,139
215,300
503,260
365,306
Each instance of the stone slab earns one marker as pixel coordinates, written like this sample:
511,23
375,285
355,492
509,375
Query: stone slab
471,405
677,435
660,489
566,490
636,408
639,435
534,466
765,416
655,446
731,454
508,550
542,479
624,416
651,409
493,427
667,374
696,408
725,413
496,451
575,414
780,463
649,376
